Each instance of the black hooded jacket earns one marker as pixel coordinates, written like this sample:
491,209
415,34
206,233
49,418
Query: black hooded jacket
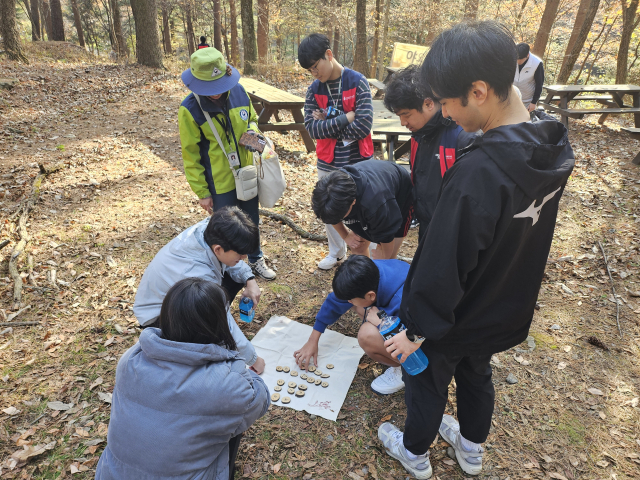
474,280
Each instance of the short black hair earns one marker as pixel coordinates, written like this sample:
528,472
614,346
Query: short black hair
232,229
355,278
332,196
312,49
407,90
468,52
203,39
523,50
194,310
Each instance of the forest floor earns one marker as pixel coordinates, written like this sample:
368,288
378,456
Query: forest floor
573,413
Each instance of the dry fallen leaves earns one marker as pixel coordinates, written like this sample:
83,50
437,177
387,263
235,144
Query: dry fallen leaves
595,391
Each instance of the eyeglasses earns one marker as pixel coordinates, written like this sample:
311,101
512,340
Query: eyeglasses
314,68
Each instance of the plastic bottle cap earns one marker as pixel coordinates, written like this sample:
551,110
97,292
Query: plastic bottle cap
382,314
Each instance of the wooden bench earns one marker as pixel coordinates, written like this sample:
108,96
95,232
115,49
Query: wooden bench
380,85
634,133
268,101
611,97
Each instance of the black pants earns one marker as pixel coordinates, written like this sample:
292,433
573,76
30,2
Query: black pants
234,444
426,398
231,287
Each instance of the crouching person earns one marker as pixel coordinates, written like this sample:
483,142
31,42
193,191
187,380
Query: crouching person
212,249
365,286
182,397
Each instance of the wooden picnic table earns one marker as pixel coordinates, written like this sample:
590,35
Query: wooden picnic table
609,96
268,101
387,125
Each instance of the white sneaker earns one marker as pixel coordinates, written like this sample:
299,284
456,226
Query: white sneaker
470,461
328,262
389,382
261,270
391,438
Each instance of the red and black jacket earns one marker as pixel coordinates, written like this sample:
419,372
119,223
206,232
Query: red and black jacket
325,146
433,152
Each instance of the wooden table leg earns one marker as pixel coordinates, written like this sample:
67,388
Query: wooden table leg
391,141
298,117
636,116
564,105
265,115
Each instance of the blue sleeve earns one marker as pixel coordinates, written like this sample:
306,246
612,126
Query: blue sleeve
330,311
393,308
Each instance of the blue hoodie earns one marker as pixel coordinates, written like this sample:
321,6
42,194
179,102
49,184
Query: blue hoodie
388,297
175,407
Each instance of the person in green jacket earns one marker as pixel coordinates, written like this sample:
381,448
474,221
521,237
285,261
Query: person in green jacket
215,89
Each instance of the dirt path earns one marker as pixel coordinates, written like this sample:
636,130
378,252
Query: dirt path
573,412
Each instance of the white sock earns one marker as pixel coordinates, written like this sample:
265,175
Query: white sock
469,446
412,456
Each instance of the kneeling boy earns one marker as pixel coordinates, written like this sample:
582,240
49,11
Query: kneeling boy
212,249
366,286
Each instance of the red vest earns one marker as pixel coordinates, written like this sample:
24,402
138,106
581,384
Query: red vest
325,147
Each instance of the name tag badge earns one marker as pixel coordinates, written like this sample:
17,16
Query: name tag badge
234,160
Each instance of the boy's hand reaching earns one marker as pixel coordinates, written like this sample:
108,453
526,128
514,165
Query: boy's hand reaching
308,352
258,367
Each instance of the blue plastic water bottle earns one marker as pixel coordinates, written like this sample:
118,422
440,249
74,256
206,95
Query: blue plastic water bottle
246,309
391,326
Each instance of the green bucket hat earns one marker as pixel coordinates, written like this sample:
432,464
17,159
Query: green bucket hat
209,74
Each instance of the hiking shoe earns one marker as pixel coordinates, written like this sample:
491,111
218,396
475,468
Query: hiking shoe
261,270
328,262
389,382
391,438
469,461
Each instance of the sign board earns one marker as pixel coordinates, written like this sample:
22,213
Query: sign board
405,54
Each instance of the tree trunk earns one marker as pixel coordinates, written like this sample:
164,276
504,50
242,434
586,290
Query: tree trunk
383,44
580,16
57,31
35,21
148,50
376,38
166,30
217,26
263,30
581,37
360,60
233,16
548,19
121,46
77,21
471,9
434,22
189,33
628,25
248,37
586,57
336,30
9,32
46,13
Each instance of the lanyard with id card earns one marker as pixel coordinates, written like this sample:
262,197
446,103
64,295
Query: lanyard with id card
246,178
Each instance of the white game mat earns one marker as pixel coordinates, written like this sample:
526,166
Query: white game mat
277,341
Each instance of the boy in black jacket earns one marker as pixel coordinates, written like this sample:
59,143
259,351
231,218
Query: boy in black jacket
434,138
474,280
370,201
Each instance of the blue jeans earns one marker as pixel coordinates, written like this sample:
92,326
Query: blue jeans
250,208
